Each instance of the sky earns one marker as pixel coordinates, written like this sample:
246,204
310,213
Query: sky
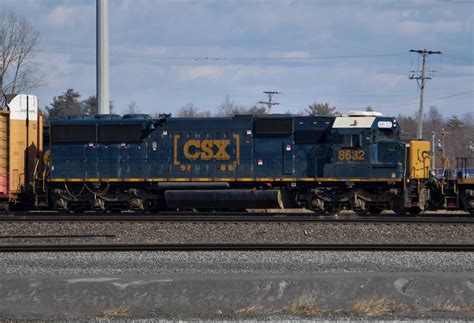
351,54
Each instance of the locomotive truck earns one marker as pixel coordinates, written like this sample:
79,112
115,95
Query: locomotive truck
323,163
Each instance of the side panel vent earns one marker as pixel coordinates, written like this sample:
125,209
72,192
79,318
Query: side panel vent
121,133
73,133
274,126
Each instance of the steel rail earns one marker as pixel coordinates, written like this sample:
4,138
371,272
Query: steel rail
59,236
225,214
236,247
235,217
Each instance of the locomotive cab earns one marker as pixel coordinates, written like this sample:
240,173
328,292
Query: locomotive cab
365,172
365,144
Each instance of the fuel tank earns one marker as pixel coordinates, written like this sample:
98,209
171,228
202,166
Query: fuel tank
223,199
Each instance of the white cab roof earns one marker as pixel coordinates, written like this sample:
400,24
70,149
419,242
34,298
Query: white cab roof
364,114
353,122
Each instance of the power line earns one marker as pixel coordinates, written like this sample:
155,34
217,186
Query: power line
428,101
91,52
459,57
132,55
80,51
456,1
397,105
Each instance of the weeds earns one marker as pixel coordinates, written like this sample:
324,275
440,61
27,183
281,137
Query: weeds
116,312
376,307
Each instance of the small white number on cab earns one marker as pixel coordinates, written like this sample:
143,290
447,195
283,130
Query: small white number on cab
384,124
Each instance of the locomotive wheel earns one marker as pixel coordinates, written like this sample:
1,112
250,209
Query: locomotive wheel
78,210
374,210
414,210
320,212
4,208
359,211
101,211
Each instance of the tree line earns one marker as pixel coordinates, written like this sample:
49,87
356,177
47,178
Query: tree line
458,130
69,103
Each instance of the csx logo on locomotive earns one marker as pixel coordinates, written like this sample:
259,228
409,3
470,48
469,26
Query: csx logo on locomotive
206,149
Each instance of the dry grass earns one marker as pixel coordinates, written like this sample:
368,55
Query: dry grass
377,307
446,307
305,305
252,310
116,312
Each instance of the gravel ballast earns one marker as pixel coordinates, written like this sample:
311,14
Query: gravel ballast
107,263
231,284
235,232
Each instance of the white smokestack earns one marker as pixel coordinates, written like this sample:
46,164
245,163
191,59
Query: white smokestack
102,63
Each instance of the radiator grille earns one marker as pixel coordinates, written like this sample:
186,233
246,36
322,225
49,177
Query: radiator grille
274,126
121,133
73,133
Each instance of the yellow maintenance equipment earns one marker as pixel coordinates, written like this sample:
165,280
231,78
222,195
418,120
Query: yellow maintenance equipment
419,159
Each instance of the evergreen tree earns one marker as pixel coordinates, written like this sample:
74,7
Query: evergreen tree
89,106
454,123
64,105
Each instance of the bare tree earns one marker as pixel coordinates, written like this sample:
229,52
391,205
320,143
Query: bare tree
132,108
258,110
407,126
190,111
89,106
320,109
229,108
434,117
18,40
468,119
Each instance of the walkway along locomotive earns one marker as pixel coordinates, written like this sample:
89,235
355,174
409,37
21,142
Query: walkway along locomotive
324,163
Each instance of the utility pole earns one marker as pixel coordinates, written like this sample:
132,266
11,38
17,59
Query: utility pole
421,83
270,103
443,151
433,150
102,64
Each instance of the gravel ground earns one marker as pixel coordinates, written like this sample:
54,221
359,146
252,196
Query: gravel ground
36,272
105,263
52,267
249,232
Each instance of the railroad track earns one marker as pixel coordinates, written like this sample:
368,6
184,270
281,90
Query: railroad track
236,247
211,231
232,217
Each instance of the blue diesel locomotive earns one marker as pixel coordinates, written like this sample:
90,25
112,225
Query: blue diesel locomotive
324,163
